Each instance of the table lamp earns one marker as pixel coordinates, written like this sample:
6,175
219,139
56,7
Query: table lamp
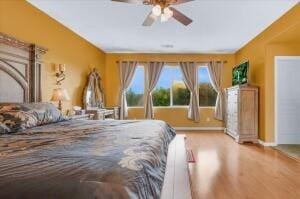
59,95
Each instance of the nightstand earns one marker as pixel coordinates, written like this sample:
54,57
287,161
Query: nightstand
102,114
116,110
82,117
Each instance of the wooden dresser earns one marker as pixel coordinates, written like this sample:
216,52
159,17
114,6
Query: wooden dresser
242,113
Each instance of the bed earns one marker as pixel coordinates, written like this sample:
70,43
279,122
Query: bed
50,156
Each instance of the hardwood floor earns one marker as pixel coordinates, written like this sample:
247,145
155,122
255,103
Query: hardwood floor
225,169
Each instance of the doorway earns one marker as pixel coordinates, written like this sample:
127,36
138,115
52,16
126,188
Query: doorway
287,104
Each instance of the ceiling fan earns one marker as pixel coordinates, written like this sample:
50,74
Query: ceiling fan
162,9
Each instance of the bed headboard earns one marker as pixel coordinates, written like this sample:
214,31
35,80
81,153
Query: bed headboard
20,70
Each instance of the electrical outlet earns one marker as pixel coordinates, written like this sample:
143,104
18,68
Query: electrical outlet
208,119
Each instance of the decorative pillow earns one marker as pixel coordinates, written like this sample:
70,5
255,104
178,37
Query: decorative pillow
20,116
3,128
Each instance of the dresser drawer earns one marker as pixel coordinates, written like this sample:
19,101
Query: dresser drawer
232,119
232,126
232,108
233,96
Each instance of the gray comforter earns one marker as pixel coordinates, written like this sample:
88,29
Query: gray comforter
85,159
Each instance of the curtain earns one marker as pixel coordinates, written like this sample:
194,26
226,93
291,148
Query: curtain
127,69
215,72
190,74
153,71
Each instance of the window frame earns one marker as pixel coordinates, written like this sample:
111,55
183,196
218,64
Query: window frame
171,91
144,74
204,66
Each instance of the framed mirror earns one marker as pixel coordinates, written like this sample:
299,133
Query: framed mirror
93,96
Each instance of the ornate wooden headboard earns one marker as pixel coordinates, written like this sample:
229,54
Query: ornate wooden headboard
20,70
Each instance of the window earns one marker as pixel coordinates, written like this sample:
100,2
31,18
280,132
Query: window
207,94
170,89
135,92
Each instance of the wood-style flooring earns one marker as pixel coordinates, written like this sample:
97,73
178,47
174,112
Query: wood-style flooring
225,169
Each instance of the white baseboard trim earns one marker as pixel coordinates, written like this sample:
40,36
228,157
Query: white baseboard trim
266,143
199,128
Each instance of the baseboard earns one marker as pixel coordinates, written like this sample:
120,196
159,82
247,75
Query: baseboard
199,128
266,143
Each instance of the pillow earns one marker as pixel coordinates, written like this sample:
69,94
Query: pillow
3,128
20,116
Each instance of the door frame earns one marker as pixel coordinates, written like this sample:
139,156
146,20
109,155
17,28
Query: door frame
277,58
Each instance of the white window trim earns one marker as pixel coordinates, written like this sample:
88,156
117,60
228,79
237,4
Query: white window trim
138,66
171,93
205,66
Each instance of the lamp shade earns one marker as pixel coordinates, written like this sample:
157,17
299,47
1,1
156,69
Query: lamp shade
60,94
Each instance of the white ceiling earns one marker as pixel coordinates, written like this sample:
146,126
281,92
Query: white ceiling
220,26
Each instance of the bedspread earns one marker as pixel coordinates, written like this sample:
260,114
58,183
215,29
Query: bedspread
85,159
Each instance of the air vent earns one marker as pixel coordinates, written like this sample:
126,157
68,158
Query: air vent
167,46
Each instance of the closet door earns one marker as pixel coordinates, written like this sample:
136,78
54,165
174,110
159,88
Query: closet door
287,100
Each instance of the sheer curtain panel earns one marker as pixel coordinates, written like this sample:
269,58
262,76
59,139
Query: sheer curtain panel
215,72
190,74
126,69
153,70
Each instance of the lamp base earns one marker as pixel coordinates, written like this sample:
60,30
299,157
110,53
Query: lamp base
59,105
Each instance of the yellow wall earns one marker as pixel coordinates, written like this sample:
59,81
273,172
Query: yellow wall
174,116
23,21
281,38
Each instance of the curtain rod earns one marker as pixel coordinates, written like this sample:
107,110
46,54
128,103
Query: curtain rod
173,62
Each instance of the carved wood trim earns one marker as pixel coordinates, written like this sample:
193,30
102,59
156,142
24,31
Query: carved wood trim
16,70
35,71
32,57
12,41
14,55
16,75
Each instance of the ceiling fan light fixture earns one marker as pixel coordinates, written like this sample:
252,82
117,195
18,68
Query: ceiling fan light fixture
164,18
162,9
168,12
156,10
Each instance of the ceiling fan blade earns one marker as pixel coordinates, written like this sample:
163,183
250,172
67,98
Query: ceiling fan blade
179,16
130,1
176,2
151,18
